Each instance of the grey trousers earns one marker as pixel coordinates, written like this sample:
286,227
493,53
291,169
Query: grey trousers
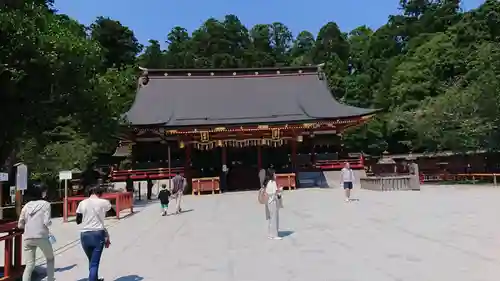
178,199
30,246
273,218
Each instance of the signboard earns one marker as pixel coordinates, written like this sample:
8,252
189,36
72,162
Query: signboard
4,177
22,177
65,175
12,194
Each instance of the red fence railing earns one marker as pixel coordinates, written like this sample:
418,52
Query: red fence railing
163,173
12,238
355,163
144,174
122,200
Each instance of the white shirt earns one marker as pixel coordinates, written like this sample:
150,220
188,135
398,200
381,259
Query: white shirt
347,175
35,219
94,211
271,189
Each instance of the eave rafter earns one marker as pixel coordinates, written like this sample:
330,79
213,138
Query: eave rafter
339,124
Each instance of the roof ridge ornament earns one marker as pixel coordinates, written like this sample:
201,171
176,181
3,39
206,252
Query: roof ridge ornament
144,77
321,72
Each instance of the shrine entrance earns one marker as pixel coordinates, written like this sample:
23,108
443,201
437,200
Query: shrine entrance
243,168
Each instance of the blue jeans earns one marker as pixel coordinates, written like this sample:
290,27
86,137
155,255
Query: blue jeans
93,244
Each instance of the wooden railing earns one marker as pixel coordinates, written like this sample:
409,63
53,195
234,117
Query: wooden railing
473,177
163,173
12,238
123,201
158,173
355,163
286,181
211,184
390,183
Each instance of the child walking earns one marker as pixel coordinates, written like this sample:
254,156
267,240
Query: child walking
164,196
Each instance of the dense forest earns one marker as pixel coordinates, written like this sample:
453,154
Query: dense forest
433,68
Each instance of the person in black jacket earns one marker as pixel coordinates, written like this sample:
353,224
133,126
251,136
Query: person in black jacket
164,197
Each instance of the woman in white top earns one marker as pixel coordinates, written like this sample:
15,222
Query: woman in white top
94,237
35,219
272,205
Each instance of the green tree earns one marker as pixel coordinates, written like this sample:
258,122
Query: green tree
153,56
118,42
179,53
301,51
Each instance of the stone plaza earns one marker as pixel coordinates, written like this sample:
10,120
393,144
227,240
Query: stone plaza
440,233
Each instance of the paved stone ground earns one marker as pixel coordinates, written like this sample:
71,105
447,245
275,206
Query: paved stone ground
436,234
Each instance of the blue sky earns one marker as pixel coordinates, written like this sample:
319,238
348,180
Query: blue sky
153,19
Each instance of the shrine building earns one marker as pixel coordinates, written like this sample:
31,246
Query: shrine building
196,121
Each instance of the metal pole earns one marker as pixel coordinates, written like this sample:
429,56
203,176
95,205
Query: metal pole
1,201
65,197
169,170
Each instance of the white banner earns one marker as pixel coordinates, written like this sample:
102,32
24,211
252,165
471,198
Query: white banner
65,175
22,177
4,177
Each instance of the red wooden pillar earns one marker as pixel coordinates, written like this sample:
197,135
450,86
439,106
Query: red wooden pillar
259,157
7,257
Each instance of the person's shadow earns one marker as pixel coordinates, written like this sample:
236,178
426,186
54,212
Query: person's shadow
130,278
41,272
285,233
123,278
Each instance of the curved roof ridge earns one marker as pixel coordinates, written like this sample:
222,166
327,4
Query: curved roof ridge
233,71
241,76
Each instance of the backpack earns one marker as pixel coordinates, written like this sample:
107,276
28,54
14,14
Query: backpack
262,196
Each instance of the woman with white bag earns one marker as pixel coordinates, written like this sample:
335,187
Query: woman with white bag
270,195
35,219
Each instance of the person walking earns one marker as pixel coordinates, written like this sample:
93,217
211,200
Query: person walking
179,183
223,178
35,219
164,197
149,191
346,180
90,215
272,204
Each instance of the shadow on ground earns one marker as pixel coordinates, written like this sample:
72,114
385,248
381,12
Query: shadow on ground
130,278
186,211
285,233
123,278
66,268
40,272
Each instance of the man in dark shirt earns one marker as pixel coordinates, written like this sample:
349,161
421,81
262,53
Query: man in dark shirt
164,197
179,183
149,189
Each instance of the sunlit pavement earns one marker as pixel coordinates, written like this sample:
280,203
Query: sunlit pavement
436,234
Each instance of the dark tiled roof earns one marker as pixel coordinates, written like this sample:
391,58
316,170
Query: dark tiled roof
122,151
228,98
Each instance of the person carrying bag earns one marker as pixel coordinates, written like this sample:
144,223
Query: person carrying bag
35,219
271,191
94,236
